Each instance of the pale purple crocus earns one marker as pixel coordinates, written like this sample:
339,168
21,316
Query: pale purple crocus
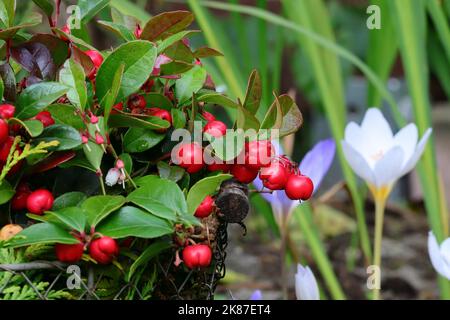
315,165
256,295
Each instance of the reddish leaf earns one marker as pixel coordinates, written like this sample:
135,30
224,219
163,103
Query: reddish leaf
83,59
9,81
53,161
205,52
166,24
58,48
35,58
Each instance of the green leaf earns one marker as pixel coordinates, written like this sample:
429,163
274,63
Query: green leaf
130,9
246,120
33,127
166,171
2,89
79,42
6,192
150,252
161,197
133,222
201,189
118,29
140,140
128,162
32,20
94,154
98,208
174,38
254,93
138,58
72,217
217,98
229,146
179,51
4,14
159,100
68,137
189,83
175,67
66,114
72,75
69,199
284,115
41,233
89,8
36,97
111,96
46,6
166,24
178,118
122,120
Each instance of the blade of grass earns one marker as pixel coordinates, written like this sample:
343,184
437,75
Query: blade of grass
237,20
303,215
381,52
437,14
411,29
263,56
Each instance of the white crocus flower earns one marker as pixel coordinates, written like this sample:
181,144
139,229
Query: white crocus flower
439,255
305,284
378,156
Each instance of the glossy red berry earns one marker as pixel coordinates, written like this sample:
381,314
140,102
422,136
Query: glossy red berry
46,118
275,176
39,201
19,201
197,256
104,250
117,107
160,113
215,128
4,130
224,167
299,187
190,157
259,154
243,174
69,253
136,101
205,208
5,148
7,111
208,116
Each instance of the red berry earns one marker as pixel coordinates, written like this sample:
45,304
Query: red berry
69,253
117,107
46,118
4,130
208,116
215,128
136,101
259,154
299,187
5,148
224,167
190,157
162,114
96,57
104,250
7,111
197,256
243,174
19,201
205,208
274,176
39,201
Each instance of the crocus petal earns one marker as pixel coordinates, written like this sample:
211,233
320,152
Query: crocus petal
305,284
437,260
354,136
407,139
318,160
388,168
417,153
256,295
377,131
358,163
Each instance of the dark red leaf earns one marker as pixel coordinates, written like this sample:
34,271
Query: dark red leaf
53,161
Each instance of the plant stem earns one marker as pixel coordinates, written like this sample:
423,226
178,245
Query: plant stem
284,231
102,184
380,204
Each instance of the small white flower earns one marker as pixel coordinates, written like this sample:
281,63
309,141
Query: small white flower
439,255
376,155
112,177
305,284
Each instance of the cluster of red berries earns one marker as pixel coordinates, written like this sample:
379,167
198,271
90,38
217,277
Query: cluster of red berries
36,202
103,250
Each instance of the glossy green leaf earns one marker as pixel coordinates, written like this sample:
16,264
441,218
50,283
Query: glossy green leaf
158,100
89,8
140,140
138,57
166,171
46,6
166,24
72,217
69,199
218,99
134,222
66,114
254,93
6,192
41,233
122,120
31,21
189,83
174,38
178,118
98,208
72,75
201,189
118,29
33,127
68,137
159,196
111,97
206,52
36,97
128,162
246,120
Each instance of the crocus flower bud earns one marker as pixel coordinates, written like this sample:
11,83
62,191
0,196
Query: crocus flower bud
305,284
112,177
